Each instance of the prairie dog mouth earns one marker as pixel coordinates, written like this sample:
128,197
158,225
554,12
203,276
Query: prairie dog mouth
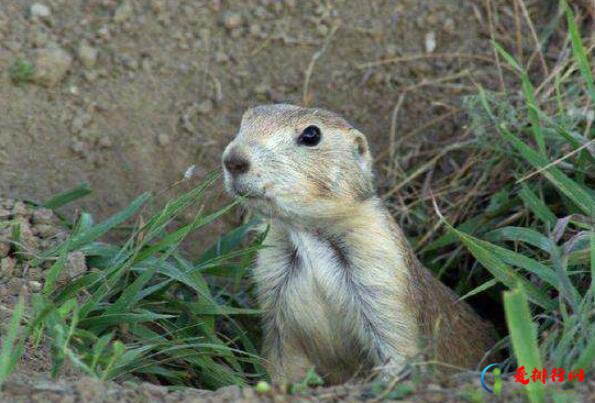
241,191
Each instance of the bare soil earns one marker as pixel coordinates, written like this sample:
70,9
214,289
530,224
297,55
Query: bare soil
153,87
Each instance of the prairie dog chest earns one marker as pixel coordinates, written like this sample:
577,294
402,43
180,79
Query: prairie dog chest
299,274
306,298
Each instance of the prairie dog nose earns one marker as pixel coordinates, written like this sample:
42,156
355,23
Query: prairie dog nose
235,162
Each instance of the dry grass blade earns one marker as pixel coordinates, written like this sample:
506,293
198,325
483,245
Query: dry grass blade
310,69
556,162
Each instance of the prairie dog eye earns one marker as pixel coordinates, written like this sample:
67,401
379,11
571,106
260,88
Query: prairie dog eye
310,136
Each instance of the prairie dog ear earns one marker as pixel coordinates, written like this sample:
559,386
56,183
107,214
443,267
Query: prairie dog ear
362,151
248,113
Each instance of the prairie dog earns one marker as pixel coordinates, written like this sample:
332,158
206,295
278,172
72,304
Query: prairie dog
341,288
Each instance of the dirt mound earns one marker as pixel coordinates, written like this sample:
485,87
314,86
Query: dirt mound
127,95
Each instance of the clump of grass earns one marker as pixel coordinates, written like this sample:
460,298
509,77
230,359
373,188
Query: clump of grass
145,310
21,71
536,235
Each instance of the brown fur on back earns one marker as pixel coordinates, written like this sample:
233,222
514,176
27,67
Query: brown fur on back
451,331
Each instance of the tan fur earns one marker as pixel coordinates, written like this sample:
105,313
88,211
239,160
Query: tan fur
341,289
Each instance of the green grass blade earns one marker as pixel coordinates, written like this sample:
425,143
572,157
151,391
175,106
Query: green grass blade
481,250
579,196
523,334
522,234
116,319
579,50
587,357
62,199
228,242
10,352
545,273
529,93
100,229
592,253
56,268
130,295
537,206
479,289
508,57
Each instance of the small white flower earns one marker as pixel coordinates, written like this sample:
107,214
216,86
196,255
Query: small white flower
189,172
430,41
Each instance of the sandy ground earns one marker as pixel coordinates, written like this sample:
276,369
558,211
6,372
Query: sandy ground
138,91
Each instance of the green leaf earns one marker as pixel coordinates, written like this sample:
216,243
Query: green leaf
579,196
116,319
592,249
100,229
523,334
537,206
69,196
481,288
587,358
56,268
483,252
522,234
579,50
542,271
11,346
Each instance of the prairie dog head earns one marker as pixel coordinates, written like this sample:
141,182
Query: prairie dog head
298,163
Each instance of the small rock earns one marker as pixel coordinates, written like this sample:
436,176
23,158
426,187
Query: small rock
87,54
80,121
4,249
449,26
75,266
4,213
123,12
157,6
262,89
20,210
42,216
90,75
6,203
28,240
322,30
151,391
40,11
204,107
232,20
51,65
146,64
35,286
104,33
163,140
14,286
35,274
221,57
45,230
430,41
129,62
39,38
236,33
255,30
78,147
392,50
105,142
7,266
